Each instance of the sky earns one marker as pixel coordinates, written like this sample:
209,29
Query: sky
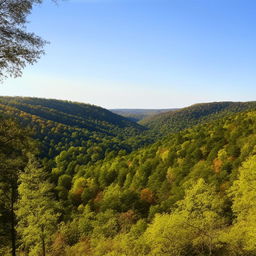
142,53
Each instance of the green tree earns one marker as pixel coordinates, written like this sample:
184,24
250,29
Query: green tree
192,228
203,208
17,46
168,235
14,144
36,210
241,237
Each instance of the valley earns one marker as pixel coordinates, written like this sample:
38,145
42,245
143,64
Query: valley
118,187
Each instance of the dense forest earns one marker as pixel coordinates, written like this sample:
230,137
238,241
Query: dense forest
58,125
174,121
78,180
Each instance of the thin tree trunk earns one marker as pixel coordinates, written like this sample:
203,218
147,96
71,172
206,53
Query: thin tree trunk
43,241
43,245
13,231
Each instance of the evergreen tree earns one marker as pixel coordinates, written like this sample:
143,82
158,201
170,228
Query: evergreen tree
36,210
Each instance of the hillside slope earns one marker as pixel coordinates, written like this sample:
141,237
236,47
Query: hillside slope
212,151
117,197
61,124
174,121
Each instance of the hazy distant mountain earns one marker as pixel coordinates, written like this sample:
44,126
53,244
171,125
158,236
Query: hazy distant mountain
139,114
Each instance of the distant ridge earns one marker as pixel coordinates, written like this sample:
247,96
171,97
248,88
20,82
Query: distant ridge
173,121
139,114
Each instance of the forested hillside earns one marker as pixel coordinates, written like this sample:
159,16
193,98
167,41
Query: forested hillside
184,195
59,125
174,121
108,191
77,179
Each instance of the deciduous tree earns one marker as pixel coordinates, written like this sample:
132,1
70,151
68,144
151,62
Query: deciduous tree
14,145
36,210
18,47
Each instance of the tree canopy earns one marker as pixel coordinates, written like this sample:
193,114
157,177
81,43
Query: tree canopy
18,47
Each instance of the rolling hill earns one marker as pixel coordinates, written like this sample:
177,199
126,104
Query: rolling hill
173,121
62,124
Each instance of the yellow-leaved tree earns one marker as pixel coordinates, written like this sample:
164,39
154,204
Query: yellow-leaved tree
192,228
241,237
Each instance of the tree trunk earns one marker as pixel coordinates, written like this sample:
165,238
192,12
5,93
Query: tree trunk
43,241
43,245
13,231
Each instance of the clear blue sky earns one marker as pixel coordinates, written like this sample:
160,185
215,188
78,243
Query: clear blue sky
143,53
